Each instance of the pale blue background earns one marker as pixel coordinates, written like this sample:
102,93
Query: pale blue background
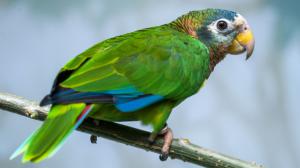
247,109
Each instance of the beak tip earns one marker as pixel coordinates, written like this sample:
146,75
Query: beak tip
250,49
249,53
247,57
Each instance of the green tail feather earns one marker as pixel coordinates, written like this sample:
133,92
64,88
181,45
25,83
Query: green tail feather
45,141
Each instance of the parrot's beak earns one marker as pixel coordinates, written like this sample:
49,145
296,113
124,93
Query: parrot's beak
244,41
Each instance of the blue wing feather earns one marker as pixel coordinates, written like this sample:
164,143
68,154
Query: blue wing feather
130,105
127,99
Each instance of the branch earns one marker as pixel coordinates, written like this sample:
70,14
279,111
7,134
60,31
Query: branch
180,149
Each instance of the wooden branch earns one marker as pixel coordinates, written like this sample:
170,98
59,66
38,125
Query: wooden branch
180,149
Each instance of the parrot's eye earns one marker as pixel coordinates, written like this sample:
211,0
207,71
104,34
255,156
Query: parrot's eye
222,25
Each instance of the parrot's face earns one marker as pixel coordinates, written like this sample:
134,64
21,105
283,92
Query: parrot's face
228,32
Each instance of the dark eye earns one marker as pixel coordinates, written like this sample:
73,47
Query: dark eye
222,25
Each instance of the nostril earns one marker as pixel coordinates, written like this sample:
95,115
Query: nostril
245,28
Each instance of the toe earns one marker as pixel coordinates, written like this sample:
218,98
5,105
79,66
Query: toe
163,156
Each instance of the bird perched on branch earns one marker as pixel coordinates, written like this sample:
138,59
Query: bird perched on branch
139,76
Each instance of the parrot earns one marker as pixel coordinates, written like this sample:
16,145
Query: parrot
138,76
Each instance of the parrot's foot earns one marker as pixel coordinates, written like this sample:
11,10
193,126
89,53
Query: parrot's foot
168,137
167,134
93,139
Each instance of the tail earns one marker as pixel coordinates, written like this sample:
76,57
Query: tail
46,141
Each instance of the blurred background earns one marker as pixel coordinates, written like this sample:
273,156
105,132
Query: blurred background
249,110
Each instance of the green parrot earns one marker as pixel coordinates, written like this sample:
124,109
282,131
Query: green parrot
139,76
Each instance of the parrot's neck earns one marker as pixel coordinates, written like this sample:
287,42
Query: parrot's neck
216,55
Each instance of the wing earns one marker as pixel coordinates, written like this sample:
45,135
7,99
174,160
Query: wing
137,71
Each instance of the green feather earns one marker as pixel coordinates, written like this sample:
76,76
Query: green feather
45,141
157,60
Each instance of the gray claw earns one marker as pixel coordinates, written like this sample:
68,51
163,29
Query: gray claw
93,139
163,156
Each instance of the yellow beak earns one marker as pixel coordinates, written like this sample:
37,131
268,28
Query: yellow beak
244,41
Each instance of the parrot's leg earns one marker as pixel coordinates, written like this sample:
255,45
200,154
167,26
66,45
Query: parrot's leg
93,138
167,134
168,137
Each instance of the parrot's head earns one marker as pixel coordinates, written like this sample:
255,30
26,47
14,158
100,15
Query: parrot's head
222,31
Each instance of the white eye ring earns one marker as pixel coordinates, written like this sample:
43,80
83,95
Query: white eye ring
222,25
